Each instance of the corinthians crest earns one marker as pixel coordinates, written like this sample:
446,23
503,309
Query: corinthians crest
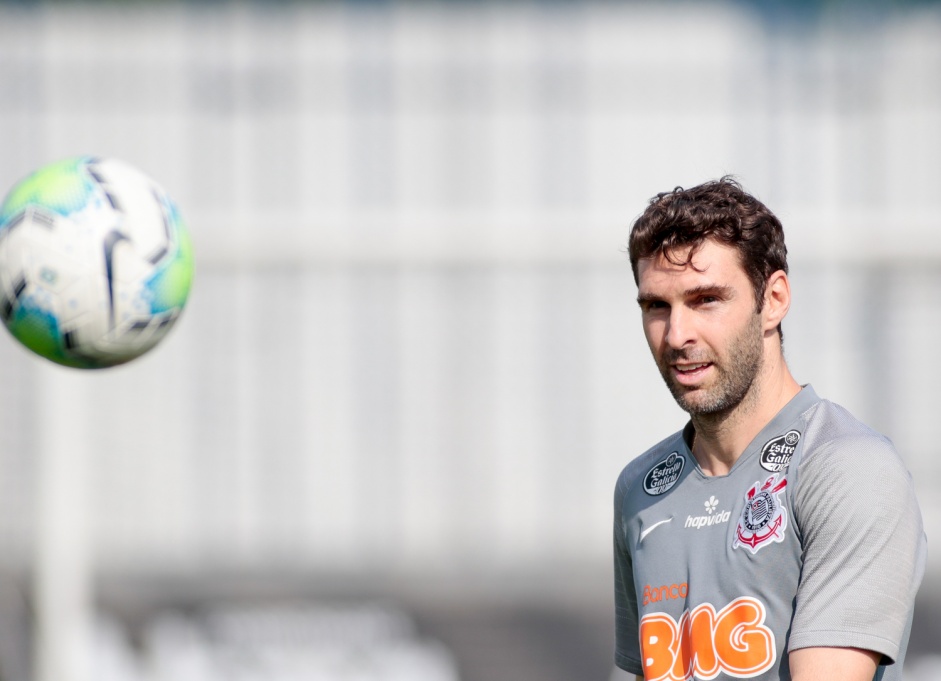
764,517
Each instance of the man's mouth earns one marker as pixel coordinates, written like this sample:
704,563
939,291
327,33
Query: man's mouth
690,367
691,372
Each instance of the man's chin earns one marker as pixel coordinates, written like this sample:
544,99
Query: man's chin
697,401
693,407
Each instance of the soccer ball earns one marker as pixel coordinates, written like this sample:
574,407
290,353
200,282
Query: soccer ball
95,262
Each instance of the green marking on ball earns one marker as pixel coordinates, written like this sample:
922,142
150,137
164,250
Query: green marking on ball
170,285
37,329
61,187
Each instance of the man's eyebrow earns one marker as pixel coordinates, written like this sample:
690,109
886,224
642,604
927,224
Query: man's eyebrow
647,298
710,289
705,289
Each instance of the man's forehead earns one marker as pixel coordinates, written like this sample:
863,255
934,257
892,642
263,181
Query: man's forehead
711,260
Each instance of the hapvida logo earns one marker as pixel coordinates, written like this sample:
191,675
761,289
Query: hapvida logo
713,518
700,521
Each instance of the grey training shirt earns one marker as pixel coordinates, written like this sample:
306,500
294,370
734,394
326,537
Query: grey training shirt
814,538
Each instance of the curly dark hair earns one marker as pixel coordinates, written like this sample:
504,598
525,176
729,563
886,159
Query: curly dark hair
719,210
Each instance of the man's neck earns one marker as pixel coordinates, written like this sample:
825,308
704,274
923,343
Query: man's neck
720,439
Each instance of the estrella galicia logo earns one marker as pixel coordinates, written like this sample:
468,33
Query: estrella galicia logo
777,452
664,475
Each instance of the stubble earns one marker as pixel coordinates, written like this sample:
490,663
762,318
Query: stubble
736,374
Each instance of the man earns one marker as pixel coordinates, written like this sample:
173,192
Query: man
775,536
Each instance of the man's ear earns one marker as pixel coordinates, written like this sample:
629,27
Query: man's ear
777,299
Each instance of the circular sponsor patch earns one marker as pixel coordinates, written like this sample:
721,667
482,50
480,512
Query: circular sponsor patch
777,452
664,475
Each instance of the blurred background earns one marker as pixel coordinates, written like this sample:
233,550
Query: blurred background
382,441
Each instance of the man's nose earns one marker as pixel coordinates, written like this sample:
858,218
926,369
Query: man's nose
680,328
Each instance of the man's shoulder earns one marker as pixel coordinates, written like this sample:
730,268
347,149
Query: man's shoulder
839,446
833,429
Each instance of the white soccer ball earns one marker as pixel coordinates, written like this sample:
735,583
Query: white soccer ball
95,262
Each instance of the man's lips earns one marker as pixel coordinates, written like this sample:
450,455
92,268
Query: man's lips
690,373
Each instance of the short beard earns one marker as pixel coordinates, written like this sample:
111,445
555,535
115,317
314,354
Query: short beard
735,380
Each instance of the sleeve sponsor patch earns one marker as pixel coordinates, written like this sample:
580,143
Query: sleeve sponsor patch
777,452
664,475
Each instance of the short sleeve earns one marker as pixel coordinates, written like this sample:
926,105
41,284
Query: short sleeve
863,547
627,639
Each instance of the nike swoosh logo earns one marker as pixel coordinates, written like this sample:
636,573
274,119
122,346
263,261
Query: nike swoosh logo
653,527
